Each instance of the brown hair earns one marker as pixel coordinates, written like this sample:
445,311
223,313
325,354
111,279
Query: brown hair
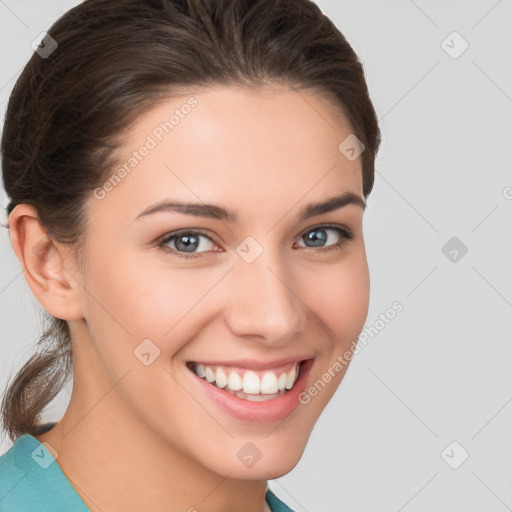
115,59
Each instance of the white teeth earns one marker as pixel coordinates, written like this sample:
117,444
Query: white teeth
290,378
200,370
281,383
251,383
235,381
221,378
261,398
210,376
269,383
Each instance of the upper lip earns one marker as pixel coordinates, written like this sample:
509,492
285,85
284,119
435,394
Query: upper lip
253,364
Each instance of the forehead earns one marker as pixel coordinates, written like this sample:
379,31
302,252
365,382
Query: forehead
239,146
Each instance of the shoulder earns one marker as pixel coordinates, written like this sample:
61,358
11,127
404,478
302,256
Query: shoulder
30,479
276,505
19,487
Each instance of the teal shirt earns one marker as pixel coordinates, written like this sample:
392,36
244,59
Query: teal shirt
31,480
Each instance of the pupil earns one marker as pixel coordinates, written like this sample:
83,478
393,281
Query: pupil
317,240
188,245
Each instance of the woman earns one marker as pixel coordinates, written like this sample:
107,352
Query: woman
187,182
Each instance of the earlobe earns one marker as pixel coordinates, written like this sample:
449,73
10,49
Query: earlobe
44,265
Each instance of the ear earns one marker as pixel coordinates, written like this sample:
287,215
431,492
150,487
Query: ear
48,267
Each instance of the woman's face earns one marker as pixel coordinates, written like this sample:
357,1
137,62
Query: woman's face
271,281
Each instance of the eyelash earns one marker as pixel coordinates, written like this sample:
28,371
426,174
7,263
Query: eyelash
346,236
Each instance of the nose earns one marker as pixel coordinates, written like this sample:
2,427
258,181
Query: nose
263,302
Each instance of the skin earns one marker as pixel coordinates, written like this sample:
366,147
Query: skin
138,437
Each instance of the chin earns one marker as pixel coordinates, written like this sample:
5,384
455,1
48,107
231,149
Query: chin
272,467
262,458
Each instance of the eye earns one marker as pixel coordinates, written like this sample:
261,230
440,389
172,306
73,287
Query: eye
319,235
185,243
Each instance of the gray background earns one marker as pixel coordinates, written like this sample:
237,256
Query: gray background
439,372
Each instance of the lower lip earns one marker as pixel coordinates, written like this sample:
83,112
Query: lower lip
257,412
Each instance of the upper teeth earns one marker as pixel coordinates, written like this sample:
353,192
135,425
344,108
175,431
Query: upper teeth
250,382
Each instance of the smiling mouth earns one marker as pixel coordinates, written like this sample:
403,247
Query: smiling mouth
255,386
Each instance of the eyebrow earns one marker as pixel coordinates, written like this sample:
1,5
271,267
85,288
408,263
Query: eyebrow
220,213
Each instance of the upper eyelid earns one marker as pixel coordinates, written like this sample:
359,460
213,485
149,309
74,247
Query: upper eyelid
185,231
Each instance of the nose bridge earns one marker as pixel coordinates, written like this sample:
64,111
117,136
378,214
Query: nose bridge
263,301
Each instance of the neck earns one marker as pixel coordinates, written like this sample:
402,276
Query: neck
115,463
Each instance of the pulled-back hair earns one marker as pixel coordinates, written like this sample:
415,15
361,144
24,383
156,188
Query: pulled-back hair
116,59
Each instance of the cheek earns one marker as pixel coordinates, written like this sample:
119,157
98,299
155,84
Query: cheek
340,296
135,296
